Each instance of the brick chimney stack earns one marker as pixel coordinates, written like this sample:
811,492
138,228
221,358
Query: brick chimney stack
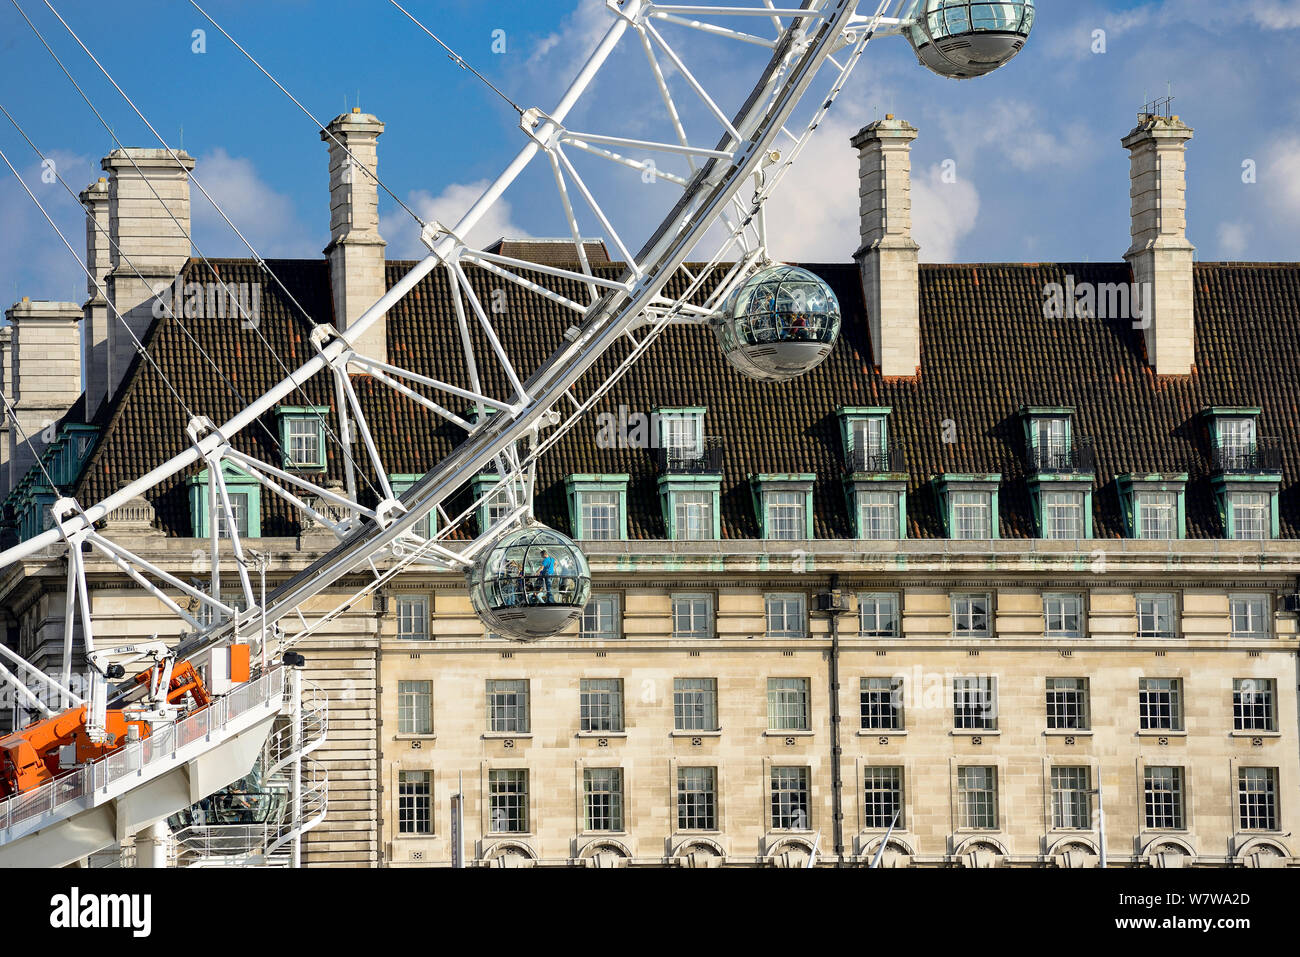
149,220
94,329
46,366
1161,255
888,257
356,250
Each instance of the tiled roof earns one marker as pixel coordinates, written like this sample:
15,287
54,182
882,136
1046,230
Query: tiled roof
986,350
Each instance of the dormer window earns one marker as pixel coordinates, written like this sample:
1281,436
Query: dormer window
598,507
1246,474
784,506
865,434
500,503
245,495
401,484
1153,505
1051,445
682,446
968,505
302,436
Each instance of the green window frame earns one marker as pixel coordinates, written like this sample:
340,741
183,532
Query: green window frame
950,486
579,487
675,495
1137,490
485,482
238,482
765,488
401,484
865,429
1043,488
292,419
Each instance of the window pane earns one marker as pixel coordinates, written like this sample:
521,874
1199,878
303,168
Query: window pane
304,441
883,798
507,703
1155,616
692,616
1157,515
1067,704
1164,798
878,615
1160,706
600,618
787,704
603,788
415,707
977,797
1071,804
508,801
693,516
601,704
600,516
786,616
790,799
882,704
697,799
1063,515
695,704
1254,704
975,703
1251,616
1063,616
970,616
1251,519
785,516
1257,798
414,802
972,515
412,618
878,516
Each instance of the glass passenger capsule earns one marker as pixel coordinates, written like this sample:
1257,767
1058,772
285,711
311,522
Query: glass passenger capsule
530,584
969,38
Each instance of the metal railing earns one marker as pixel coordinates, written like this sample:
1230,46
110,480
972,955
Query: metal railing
1078,458
1264,456
871,459
677,461
137,756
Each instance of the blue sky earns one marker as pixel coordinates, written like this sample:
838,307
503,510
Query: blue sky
1040,172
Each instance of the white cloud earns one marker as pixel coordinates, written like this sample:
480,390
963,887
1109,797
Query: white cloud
1282,173
33,260
564,50
267,219
813,216
943,213
403,234
1233,239
1018,132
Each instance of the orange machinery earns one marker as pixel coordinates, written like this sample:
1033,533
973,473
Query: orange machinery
30,757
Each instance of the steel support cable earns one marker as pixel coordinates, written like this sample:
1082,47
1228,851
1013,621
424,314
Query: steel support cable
253,60
257,256
108,235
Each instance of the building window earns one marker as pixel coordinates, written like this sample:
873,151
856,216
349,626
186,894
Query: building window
682,435
401,484
882,798
1252,616
302,436
412,617
1163,791
1257,798
697,799
603,789
970,616
878,615
1250,515
245,497
1071,804
1063,616
1157,514
600,519
790,799
507,704
415,707
974,702
877,515
1236,443
786,616
1160,704
692,616
1155,615
1254,704
600,618
977,798
601,704
1051,442
787,704
414,802
693,516
695,704
508,801
786,519
868,443
882,704
972,515
1063,515
1067,704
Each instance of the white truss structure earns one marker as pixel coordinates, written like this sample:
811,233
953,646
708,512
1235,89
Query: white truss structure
726,172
